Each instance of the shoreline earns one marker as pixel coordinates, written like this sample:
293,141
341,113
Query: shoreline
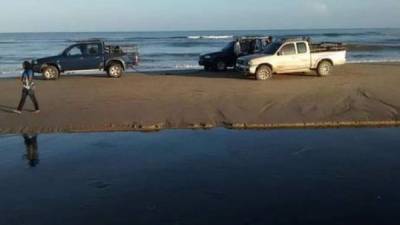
357,95
235,126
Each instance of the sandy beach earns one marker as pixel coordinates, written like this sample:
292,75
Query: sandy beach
356,95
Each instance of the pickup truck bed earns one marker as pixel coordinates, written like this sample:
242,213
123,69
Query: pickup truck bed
326,47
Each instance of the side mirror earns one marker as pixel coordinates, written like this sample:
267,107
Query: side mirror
279,53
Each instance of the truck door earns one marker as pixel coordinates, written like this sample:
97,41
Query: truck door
303,59
286,59
228,54
92,57
72,58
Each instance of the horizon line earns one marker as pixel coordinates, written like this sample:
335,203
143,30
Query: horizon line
200,30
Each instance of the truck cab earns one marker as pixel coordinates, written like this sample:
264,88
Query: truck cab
227,57
293,56
82,56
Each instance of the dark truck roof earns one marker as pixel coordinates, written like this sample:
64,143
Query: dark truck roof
125,46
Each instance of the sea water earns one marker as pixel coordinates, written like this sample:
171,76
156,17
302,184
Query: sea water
180,50
219,176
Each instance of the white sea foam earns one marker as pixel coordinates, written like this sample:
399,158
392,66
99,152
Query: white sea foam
188,66
211,37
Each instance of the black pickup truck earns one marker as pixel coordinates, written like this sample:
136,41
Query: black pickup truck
227,57
88,55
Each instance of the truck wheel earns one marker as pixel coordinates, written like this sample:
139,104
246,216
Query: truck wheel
50,73
221,66
324,68
264,73
115,70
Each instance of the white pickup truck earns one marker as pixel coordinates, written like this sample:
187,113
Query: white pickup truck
293,56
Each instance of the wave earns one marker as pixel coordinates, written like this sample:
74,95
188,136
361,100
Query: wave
171,55
5,42
393,40
371,47
140,39
188,44
211,37
363,56
129,39
188,66
349,34
390,60
194,37
157,57
328,34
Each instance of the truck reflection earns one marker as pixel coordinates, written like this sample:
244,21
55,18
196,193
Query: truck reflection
32,153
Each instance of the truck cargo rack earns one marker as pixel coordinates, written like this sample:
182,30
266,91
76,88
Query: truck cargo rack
327,46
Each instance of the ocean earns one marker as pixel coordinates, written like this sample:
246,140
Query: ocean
180,50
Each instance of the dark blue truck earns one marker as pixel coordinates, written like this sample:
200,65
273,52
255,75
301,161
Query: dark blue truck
225,58
88,55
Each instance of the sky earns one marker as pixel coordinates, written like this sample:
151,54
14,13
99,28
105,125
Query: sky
174,15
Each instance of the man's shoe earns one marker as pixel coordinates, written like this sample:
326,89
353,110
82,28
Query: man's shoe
37,111
17,111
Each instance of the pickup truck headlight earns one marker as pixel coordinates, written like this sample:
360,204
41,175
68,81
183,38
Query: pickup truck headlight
207,56
251,63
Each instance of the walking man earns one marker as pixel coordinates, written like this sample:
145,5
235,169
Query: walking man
28,88
237,48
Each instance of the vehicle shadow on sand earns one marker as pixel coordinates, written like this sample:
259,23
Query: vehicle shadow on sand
93,75
229,74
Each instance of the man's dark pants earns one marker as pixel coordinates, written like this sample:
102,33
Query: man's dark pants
31,94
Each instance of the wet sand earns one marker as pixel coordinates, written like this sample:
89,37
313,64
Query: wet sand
356,95
185,177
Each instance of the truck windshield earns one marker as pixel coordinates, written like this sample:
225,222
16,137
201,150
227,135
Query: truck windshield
228,47
272,48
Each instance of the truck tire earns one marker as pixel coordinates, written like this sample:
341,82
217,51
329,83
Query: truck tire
115,70
50,73
264,72
220,66
324,68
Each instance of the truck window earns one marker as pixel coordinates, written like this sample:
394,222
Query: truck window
259,46
93,49
288,49
301,48
229,47
75,51
272,48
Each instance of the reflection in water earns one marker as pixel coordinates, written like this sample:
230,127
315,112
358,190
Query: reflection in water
32,154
